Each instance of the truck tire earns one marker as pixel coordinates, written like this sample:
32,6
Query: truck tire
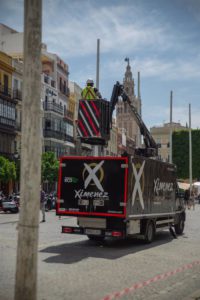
149,232
179,227
96,238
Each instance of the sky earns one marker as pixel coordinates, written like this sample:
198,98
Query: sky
160,37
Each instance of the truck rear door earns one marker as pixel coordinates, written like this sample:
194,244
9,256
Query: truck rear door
95,186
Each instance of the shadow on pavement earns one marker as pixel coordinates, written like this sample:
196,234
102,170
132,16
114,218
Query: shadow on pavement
109,249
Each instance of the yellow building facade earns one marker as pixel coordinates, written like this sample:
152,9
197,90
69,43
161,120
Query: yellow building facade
6,71
7,114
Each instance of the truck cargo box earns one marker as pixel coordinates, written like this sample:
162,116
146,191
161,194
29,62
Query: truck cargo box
119,196
116,186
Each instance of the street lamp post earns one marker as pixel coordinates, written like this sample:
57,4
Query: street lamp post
16,158
190,149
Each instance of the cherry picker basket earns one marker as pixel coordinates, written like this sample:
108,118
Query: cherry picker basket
93,125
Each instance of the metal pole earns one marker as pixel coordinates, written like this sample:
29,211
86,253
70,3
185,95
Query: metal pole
97,149
190,149
139,111
27,248
171,99
98,63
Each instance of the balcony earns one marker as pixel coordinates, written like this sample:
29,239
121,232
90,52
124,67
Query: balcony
17,94
50,106
8,123
68,115
64,90
5,91
49,133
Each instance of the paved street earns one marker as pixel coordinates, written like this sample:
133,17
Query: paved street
71,267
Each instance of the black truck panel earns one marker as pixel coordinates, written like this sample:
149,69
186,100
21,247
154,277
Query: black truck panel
151,187
94,186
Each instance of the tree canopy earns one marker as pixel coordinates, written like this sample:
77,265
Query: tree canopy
7,170
50,167
180,153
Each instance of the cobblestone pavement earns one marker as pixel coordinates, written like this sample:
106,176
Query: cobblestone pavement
71,267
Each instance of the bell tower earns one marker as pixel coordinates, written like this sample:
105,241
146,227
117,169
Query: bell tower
125,118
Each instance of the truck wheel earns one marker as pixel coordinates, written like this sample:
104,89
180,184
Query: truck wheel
96,238
149,232
179,227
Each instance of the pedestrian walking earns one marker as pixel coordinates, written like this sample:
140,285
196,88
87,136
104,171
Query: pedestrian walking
192,199
186,198
42,204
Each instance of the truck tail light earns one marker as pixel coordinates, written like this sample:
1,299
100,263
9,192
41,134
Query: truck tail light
67,230
116,233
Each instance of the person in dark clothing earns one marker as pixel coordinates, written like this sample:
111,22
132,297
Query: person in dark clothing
186,197
42,204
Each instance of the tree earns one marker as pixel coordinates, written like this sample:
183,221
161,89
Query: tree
7,170
181,153
50,167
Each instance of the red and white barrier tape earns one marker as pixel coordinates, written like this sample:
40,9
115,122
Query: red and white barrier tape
149,281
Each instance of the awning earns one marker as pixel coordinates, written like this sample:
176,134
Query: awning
69,144
183,185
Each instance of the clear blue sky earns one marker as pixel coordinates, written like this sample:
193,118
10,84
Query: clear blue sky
161,38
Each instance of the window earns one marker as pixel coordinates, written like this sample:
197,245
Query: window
47,124
69,129
7,110
15,84
5,81
1,107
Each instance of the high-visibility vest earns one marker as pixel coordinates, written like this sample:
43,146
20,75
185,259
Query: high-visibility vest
88,93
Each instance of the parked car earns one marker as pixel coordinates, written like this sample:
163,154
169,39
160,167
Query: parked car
2,197
9,204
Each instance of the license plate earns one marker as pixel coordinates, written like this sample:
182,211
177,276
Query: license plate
83,202
93,231
98,202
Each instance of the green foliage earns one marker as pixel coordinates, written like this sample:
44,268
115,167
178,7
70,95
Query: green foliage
180,153
50,167
7,170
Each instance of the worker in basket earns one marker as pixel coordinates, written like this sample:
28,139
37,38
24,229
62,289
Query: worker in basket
90,92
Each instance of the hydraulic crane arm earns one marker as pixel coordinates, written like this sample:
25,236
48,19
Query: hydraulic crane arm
151,146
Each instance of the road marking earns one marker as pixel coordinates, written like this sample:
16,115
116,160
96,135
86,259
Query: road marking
139,285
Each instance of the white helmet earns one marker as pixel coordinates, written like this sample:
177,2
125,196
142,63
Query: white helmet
90,81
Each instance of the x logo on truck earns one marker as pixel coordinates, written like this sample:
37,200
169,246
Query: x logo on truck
137,186
92,175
